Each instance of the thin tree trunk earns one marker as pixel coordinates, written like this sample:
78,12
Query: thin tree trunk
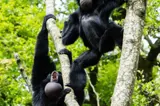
64,60
133,27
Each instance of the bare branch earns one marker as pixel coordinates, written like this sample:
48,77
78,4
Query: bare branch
155,36
90,83
23,74
154,51
149,41
64,60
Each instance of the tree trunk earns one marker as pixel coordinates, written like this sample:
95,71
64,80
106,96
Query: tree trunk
133,27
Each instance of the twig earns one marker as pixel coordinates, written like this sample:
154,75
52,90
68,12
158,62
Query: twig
97,96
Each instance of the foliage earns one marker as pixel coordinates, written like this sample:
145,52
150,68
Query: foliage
144,93
20,22
107,76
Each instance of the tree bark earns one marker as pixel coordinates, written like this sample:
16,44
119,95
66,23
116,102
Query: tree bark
64,60
133,27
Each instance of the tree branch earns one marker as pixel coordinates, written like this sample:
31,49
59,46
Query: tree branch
149,41
154,51
23,74
92,86
64,60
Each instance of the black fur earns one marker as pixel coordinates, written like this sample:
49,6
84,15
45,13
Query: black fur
98,33
42,68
